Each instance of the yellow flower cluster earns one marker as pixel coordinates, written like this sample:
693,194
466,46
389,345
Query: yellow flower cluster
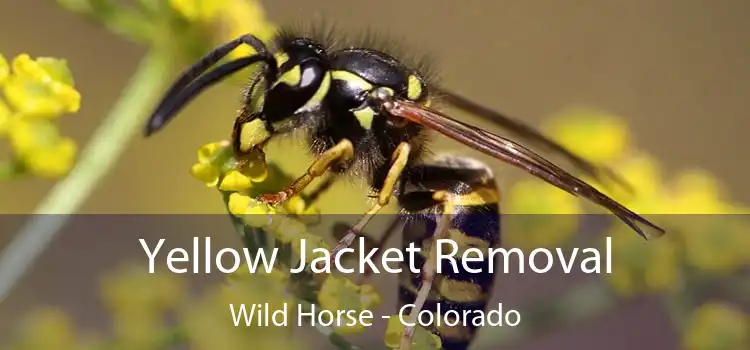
717,326
36,93
231,18
338,293
217,167
209,324
137,302
141,303
422,339
539,215
711,238
46,328
641,266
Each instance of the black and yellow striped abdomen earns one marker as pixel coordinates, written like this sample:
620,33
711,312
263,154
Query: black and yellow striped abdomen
474,200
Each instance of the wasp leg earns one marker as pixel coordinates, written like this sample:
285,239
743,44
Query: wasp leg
429,270
341,152
383,240
400,158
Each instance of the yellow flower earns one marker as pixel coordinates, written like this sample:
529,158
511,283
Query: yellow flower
697,192
597,136
422,340
717,326
47,328
216,161
540,215
41,88
209,151
715,243
131,287
206,173
198,10
37,91
295,205
5,117
53,161
4,69
339,293
235,181
39,146
312,242
288,230
642,172
210,325
239,17
138,301
239,203
640,266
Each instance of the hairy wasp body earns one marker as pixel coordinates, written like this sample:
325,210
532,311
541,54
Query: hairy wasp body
367,114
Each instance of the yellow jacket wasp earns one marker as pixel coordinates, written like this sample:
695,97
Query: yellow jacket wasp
366,113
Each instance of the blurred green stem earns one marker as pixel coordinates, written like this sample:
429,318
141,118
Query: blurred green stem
95,161
10,169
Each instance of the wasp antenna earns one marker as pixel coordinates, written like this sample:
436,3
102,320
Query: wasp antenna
176,97
169,108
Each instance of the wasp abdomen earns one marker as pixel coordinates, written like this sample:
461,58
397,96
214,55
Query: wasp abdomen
462,288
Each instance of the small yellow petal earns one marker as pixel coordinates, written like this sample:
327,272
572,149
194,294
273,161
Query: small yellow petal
48,329
205,173
207,151
28,135
56,69
597,136
717,325
69,97
369,296
240,17
697,192
258,215
33,98
235,181
5,117
42,87
4,69
421,340
54,161
537,197
198,10
239,203
288,230
24,66
295,205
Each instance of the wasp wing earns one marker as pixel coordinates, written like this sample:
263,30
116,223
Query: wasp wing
526,132
517,155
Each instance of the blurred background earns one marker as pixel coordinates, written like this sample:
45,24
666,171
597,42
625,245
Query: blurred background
674,73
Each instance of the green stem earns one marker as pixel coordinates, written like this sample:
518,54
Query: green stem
96,160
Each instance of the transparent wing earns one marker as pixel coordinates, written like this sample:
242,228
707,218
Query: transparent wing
519,156
530,135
